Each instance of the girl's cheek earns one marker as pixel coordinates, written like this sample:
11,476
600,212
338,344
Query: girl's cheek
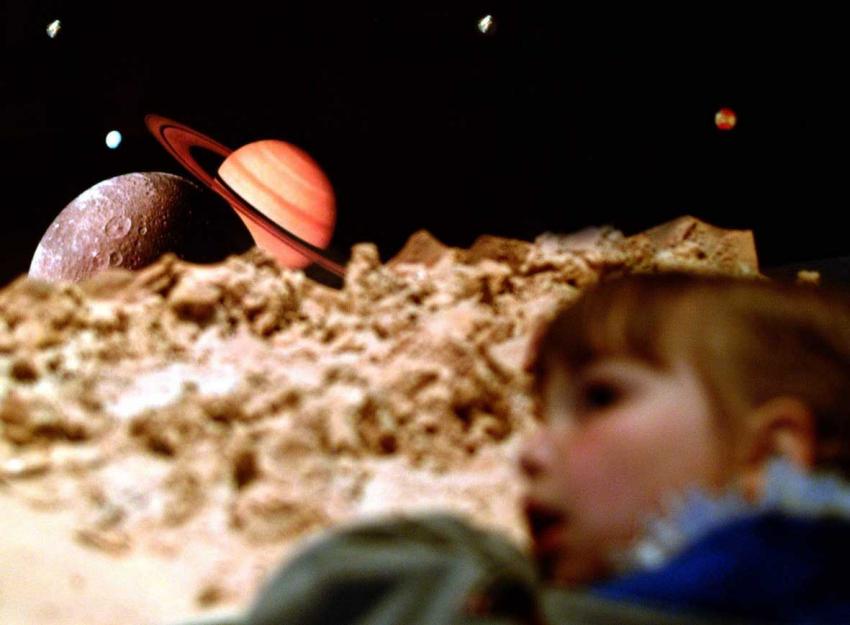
584,466
600,472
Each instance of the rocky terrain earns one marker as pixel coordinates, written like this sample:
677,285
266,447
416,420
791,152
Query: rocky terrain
167,436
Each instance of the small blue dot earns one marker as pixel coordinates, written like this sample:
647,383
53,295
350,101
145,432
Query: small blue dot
113,139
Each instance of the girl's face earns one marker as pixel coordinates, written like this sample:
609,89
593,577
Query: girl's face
618,438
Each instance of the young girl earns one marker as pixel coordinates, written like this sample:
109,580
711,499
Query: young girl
690,426
692,464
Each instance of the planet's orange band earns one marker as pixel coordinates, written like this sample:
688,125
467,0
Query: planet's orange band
317,224
178,140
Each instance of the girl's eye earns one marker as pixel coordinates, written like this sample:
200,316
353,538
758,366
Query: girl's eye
599,395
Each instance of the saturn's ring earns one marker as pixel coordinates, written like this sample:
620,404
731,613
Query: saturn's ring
178,140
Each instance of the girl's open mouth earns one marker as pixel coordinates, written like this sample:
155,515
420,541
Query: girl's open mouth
543,522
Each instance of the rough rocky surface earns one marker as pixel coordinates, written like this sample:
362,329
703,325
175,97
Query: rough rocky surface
167,436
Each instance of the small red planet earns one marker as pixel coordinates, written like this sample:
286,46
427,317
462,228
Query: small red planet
725,119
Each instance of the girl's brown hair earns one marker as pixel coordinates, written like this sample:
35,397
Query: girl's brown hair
749,340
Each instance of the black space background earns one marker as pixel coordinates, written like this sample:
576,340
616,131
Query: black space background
564,117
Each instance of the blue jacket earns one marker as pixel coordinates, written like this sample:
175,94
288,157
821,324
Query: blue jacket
770,567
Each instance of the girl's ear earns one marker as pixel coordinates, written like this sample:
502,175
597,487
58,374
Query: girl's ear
781,427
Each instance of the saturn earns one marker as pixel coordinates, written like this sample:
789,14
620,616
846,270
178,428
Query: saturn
279,192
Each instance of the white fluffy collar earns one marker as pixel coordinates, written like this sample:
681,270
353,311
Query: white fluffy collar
691,517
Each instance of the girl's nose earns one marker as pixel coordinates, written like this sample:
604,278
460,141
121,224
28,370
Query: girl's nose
535,454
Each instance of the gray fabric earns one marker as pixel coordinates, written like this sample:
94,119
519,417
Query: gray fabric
424,571
214,620
417,572
562,607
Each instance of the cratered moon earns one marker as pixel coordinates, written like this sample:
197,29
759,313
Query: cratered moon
130,221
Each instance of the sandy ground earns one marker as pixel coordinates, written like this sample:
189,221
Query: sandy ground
169,436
